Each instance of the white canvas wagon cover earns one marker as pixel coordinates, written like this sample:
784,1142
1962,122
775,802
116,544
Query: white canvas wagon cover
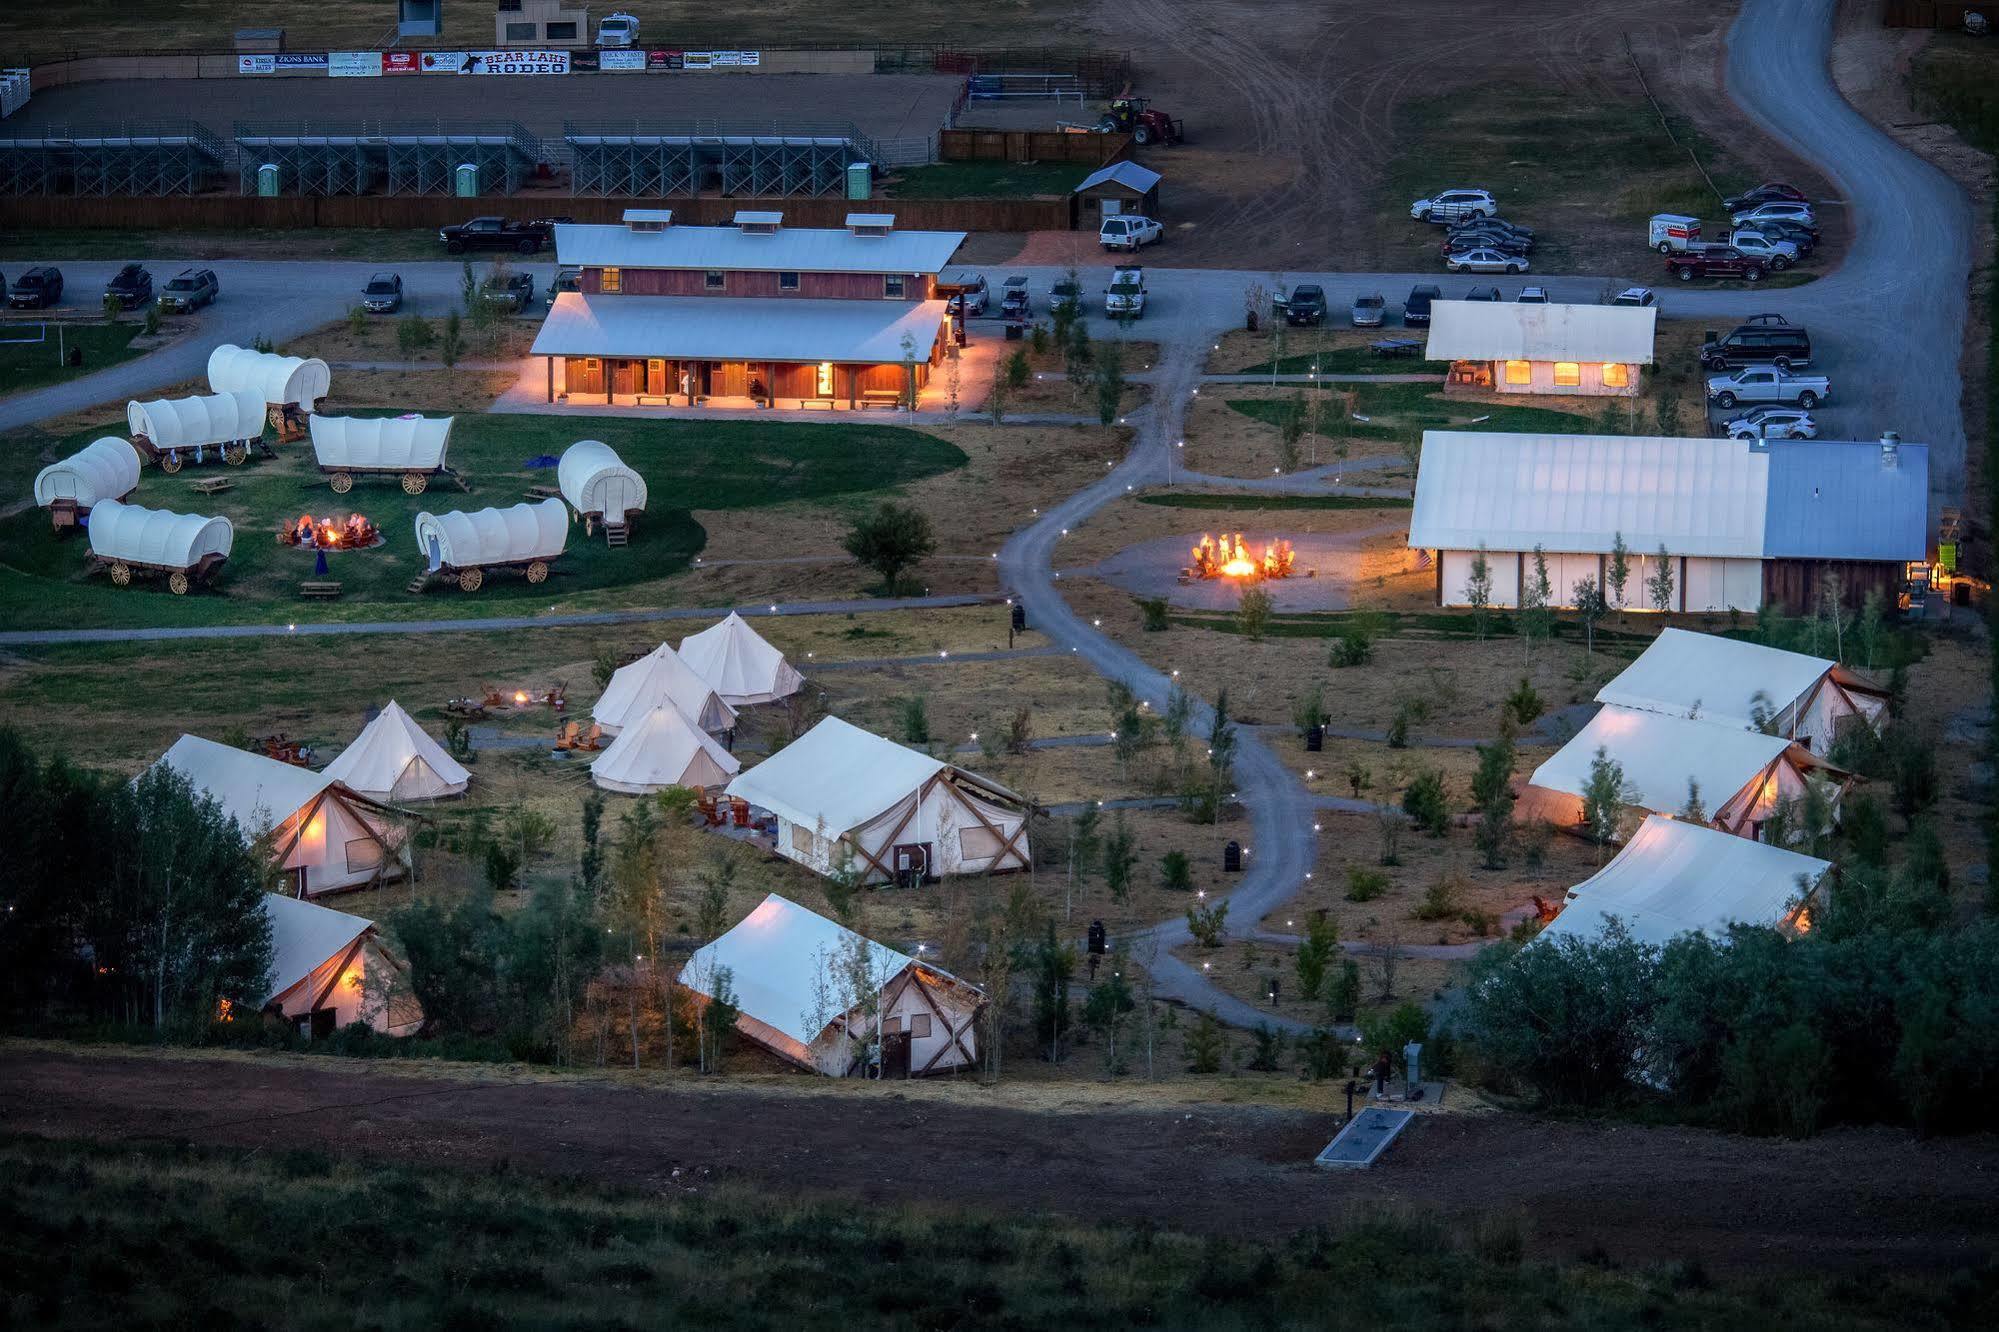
594,479
381,443
740,662
134,535
394,759
494,536
209,418
105,469
274,378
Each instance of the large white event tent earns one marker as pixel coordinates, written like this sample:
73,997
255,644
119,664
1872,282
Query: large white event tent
742,665
1674,877
661,749
394,759
105,469
661,676
799,994
596,481
844,796
329,969
279,380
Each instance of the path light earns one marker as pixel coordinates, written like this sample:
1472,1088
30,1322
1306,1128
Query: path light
1199,892
808,656
1113,735
943,654
1309,774
1315,827
1176,675
975,735
1098,623
291,628
1204,966
1308,874
773,608
1289,923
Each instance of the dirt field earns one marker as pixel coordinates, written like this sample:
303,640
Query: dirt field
1847,1202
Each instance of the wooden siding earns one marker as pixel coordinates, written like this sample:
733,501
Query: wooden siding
743,282
990,145
1794,585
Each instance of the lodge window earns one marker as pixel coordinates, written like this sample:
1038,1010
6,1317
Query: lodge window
1519,372
890,1026
714,280
561,32
919,1024
520,32
1568,374
611,279
787,282
892,287
1616,374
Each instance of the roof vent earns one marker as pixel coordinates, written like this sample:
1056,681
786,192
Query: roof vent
871,224
1891,449
648,219
758,224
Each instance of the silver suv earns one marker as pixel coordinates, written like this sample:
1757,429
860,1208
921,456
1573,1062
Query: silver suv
190,289
1454,206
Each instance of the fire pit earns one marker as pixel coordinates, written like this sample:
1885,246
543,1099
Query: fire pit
1232,557
352,531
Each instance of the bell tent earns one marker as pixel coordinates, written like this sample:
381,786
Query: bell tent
661,676
661,749
596,482
107,469
283,381
394,759
329,969
740,663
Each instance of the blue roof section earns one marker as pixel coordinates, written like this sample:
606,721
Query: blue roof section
1832,500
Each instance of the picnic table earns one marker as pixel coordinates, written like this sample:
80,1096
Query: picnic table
212,485
322,590
1393,347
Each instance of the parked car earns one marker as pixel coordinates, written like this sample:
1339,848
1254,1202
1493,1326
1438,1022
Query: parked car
565,279
1718,261
1766,383
1125,297
1015,301
1532,296
1779,255
1773,423
132,285
1450,205
1486,260
1306,305
1369,310
1769,192
1786,346
1494,223
1669,233
496,233
1128,231
1784,229
36,289
1065,293
514,291
1790,212
619,29
1458,242
1637,296
1416,309
966,289
1483,294
383,294
191,289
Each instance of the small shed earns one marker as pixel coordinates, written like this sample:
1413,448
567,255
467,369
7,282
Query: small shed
106,469
740,663
282,381
186,547
414,446
463,544
598,485
1121,187
395,759
330,969
660,676
1516,347
179,430
661,749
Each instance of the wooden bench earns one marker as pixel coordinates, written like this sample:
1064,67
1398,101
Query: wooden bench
319,591
543,492
826,404
212,485
889,398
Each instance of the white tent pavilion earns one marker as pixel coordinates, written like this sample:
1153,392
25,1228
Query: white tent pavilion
324,963
105,469
184,546
174,429
464,543
661,676
1674,877
411,445
842,795
325,836
661,749
1713,679
740,663
394,759
277,380
597,483
797,994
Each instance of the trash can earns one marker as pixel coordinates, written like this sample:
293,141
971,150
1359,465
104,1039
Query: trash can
1099,939
1315,739
1015,332
1232,858
1019,618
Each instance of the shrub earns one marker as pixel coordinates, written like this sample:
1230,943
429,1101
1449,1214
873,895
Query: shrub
1207,923
1523,704
1364,885
1440,900
1354,647
1154,611
1175,873
1398,729
152,322
1425,803
1204,1045
1266,1051
503,867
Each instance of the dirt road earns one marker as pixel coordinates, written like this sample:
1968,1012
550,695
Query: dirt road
1849,1201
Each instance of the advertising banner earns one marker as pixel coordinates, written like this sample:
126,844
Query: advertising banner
623,59
256,64
666,60
443,62
354,64
300,59
517,62
399,62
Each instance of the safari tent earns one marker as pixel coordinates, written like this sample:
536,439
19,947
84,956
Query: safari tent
661,676
326,836
329,969
410,446
464,544
845,797
1747,686
1675,878
289,381
393,759
803,991
186,547
1742,775
740,663
181,430
106,469
661,749
597,484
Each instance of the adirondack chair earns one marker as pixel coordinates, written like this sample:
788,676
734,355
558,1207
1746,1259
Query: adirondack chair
567,736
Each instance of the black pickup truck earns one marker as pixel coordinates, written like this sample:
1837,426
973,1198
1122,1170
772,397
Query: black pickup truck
499,233
1306,306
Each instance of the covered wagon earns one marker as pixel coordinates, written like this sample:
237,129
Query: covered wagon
600,487
186,547
464,545
107,469
412,447
177,431
291,385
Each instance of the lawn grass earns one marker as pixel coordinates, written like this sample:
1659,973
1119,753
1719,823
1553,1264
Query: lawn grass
134,1234
1398,411
32,365
1349,361
1247,500
687,465
986,180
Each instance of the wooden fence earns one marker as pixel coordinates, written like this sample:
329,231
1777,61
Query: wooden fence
989,145
1931,13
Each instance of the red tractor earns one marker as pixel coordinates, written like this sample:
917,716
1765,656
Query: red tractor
1145,123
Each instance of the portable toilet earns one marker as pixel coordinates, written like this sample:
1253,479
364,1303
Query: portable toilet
860,180
267,180
465,180
1671,232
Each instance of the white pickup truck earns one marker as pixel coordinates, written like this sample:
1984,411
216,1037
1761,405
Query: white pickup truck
1765,383
1125,297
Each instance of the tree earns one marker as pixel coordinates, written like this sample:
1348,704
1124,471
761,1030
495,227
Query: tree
451,347
1590,607
1208,924
1832,609
1659,583
893,538
468,287
1534,594
1316,952
718,1018
1002,932
413,335
998,401
1252,615
1176,873
1085,830
1606,795
1204,1045
1018,369
1343,991
1694,811
1105,1009
590,864
1291,429
1310,714
1120,858
1054,963
1221,749
915,716
1492,793
1871,628
1617,574
1478,591
1109,383
1424,801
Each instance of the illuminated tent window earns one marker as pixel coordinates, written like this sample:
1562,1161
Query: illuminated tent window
1616,374
1519,372
1568,374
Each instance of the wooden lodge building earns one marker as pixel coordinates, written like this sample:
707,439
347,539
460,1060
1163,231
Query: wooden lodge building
755,313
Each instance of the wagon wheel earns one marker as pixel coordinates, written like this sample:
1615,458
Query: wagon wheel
236,454
415,483
342,482
170,462
538,572
177,582
470,579
121,574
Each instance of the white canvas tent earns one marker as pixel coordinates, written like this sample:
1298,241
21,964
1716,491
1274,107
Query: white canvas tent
329,969
842,795
412,445
183,545
325,836
275,379
595,480
661,676
529,534
740,663
800,993
394,759
105,469
661,749
195,422
1717,680
1673,878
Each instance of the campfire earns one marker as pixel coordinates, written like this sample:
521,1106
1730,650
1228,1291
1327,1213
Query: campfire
352,532
1232,557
